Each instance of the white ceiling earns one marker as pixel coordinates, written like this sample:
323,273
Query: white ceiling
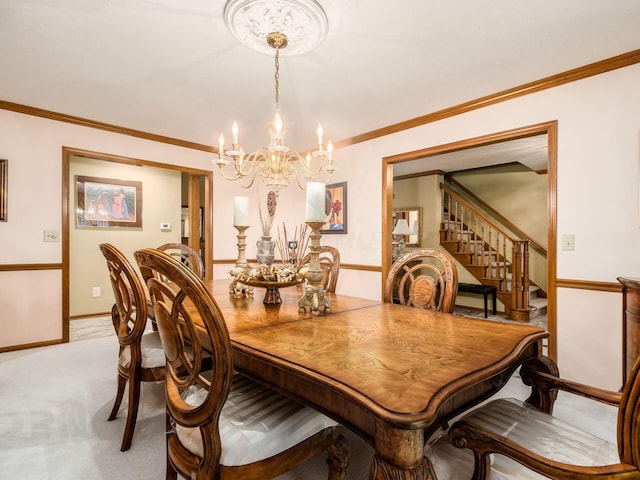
171,67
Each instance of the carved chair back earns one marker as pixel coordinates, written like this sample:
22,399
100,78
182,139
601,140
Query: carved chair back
185,254
330,264
423,278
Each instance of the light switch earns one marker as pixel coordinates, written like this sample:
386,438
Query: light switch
568,242
165,227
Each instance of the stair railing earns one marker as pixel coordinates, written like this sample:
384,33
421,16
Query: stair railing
505,260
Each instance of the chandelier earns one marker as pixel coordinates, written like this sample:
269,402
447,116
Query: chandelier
277,165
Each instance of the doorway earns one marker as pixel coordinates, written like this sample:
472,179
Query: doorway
550,130
200,192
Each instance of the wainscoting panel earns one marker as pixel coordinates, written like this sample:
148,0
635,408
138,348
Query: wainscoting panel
30,308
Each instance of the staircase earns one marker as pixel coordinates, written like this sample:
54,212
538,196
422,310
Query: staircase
491,255
537,304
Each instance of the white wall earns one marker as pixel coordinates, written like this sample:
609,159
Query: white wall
598,150
31,301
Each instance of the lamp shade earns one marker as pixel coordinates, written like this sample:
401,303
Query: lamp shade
402,228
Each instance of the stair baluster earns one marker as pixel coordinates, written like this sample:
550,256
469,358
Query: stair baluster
491,254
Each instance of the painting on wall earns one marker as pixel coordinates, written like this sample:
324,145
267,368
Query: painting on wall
4,167
106,203
335,208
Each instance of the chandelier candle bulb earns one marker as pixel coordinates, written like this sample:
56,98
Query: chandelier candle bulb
234,130
315,202
241,211
320,132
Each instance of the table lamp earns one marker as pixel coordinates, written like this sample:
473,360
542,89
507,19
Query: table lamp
401,229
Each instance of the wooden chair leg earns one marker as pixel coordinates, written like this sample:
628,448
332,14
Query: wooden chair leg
122,382
171,472
338,459
132,414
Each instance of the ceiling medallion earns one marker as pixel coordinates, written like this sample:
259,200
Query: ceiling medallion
302,21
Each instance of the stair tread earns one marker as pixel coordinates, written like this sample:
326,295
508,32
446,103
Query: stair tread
538,302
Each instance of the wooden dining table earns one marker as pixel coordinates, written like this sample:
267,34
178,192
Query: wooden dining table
390,373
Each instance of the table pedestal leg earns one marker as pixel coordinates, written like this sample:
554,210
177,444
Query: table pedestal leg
542,396
381,470
400,456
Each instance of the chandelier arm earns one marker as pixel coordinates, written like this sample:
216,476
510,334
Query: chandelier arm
249,165
262,158
290,165
250,184
302,187
236,177
307,166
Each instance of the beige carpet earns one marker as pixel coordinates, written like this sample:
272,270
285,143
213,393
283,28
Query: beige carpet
54,402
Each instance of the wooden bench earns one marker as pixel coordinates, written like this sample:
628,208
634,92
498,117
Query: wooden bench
480,289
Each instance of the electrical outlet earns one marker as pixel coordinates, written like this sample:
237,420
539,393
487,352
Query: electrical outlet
95,292
568,242
51,236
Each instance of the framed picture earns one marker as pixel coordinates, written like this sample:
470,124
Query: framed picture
106,203
4,168
335,208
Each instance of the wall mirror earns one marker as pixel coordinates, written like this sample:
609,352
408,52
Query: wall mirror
413,216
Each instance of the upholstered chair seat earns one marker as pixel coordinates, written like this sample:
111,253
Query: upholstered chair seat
152,352
252,417
542,434
493,437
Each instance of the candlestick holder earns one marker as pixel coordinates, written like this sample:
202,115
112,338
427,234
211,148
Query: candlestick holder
239,289
241,261
314,296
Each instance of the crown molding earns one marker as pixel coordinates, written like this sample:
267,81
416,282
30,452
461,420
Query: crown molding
580,73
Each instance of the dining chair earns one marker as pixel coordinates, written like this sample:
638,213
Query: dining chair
220,424
186,255
140,358
330,265
424,278
508,438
